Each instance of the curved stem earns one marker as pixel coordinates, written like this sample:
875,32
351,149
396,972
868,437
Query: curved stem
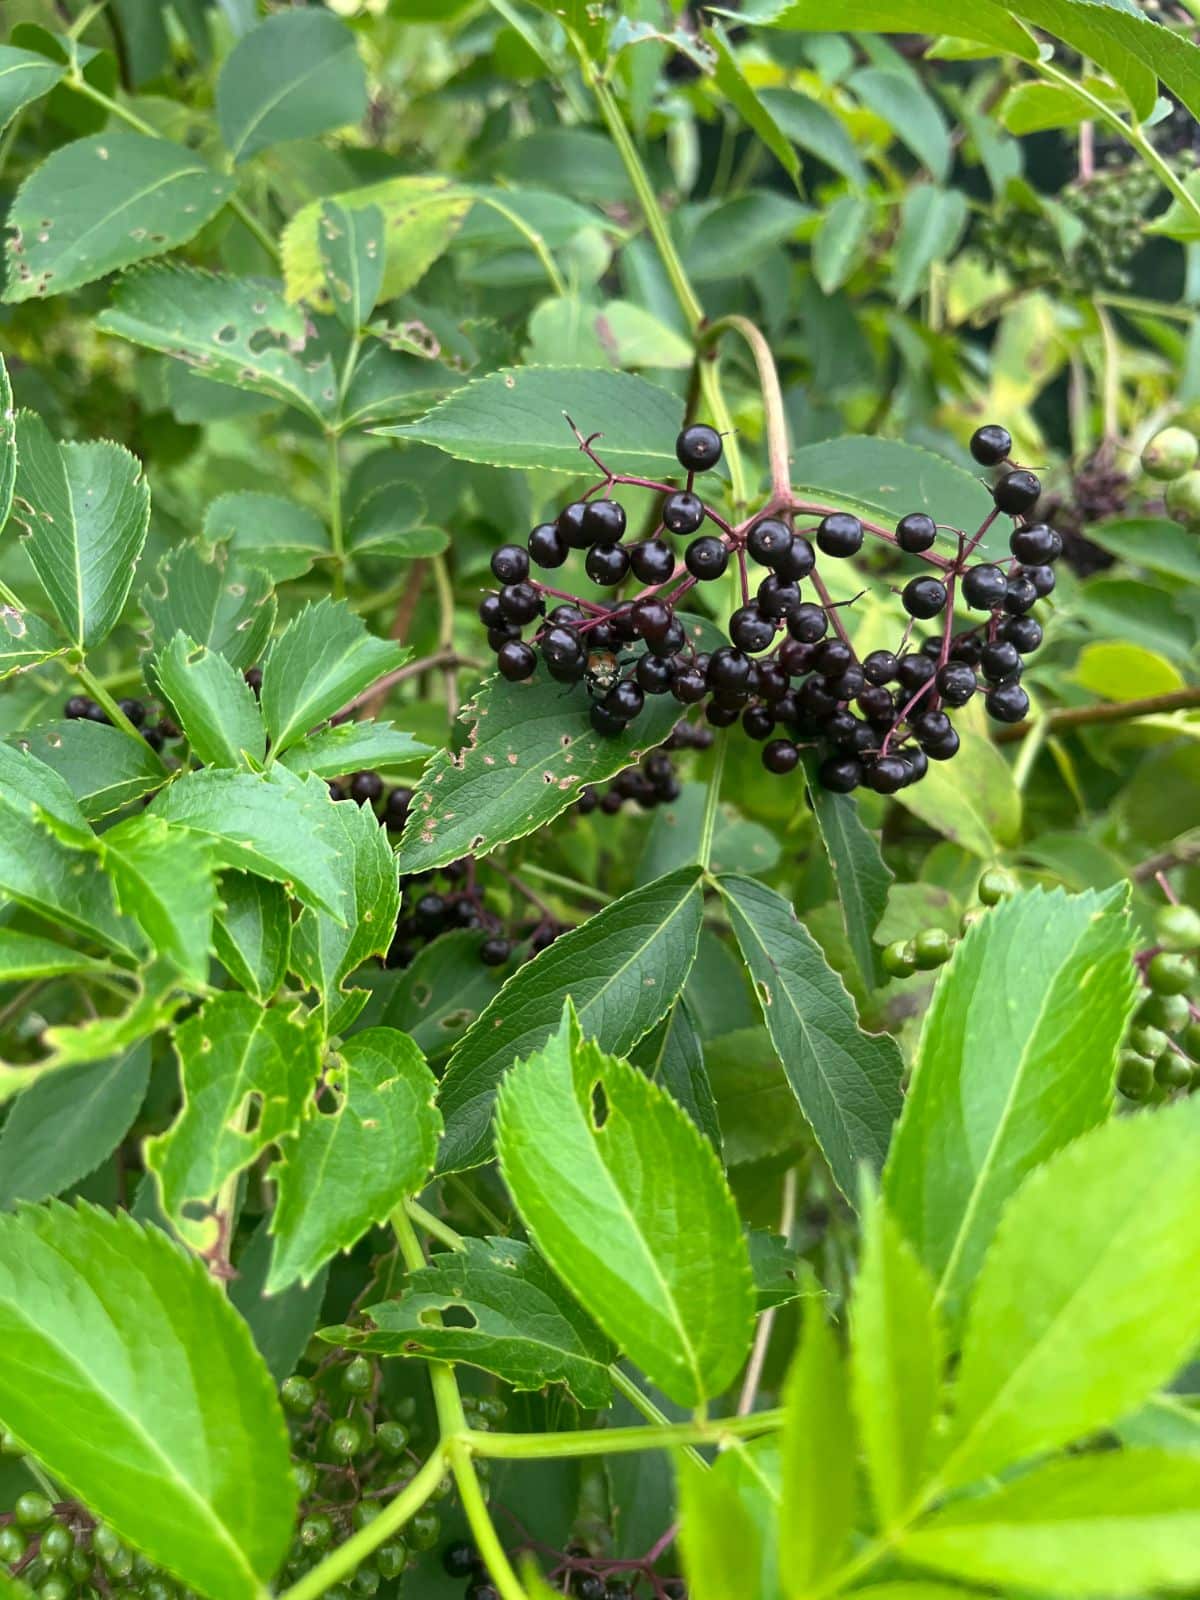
772,394
621,1441
532,238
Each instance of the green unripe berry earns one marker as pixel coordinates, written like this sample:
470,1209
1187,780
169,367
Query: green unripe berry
898,960
55,1588
316,1532
358,1376
1170,974
12,1545
143,1567
1190,1040
445,1487
32,1510
159,1588
932,947
339,1591
1135,1075
996,884
1147,1041
1169,1012
493,1408
298,1395
1183,499
1170,454
392,1438
345,1439
304,1476
404,1409
79,1564
10,1445
424,1530
367,1580
391,1559
57,1543
1173,1072
365,1513
1177,927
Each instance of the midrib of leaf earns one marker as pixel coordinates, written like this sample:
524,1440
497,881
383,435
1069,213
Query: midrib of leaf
320,64
76,244
90,1379
78,560
1001,1128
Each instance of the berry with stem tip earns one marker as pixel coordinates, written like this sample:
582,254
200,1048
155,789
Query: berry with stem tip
460,1560
510,564
1135,1075
1017,491
358,1375
1024,633
1177,927
652,561
366,787
607,564
706,558
519,603
932,947
391,1559
298,1395
991,444
840,774
1147,1041
995,885
956,683
780,756
807,623
898,960
493,952
12,1545
1171,1071
923,597
1170,1012
698,447
880,667
1037,545
999,660
750,630
32,1509
571,524
769,539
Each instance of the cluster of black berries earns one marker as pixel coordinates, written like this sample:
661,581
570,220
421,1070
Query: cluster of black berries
789,672
449,897
653,783
1162,1052
81,708
575,1572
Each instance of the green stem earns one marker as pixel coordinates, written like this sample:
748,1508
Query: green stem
532,238
568,885
643,1403
434,1225
88,14
1029,752
102,697
342,1562
1111,377
711,800
333,462
772,394
621,1441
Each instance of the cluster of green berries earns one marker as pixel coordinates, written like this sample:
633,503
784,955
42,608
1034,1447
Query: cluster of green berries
789,673
1171,458
933,947
1084,240
81,708
1161,1056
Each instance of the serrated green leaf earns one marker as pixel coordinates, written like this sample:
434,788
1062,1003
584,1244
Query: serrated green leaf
673,1057
998,1087
720,1538
85,509
817,1510
420,214
247,1075
388,523
602,1165
25,76
322,659
859,870
103,767
515,418
345,1168
325,952
213,704
215,600
295,75
101,1318
973,800
99,204
896,1363
29,955
524,1327
353,253
164,881
1125,1523
353,746
847,1082
25,640
987,23
1076,1315
154,1001
776,1268
622,969
253,932
274,824
267,531
238,331
67,1123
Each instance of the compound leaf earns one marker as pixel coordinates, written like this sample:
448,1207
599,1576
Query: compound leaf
213,704
322,659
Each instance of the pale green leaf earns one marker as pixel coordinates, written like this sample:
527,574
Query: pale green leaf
102,203
29,955
253,931
219,602
213,704
838,247
627,1201
164,881
719,1537
986,23
815,128
910,110
931,224
673,1057
1039,107
267,531
746,101
347,1165
9,615
322,659
817,1510
155,999
325,952
135,1383
25,640
973,800
295,75
621,969
999,1085
24,77
353,253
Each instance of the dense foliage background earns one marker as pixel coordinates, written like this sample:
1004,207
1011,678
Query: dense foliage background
503,1134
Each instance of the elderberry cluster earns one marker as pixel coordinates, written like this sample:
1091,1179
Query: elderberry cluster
81,708
789,672
653,783
1162,1051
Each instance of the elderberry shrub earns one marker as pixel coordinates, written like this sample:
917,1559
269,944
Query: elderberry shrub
788,672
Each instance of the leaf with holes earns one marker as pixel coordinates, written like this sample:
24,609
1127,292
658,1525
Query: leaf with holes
238,331
352,249
621,970
322,659
214,599
345,1168
103,767
847,1082
213,704
84,509
102,203
295,75
252,934
325,952
102,1318
247,1073
25,641
504,1311
679,1300
266,531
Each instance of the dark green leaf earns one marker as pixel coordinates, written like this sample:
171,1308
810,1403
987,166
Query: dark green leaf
351,747
296,75
213,704
859,870
267,531
103,767
253,931
673,1057
282,1324
24,76
218,602
322,659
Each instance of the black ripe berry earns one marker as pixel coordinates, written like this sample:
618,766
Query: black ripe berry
254,676
604,521
654,675
706,557
840,774
572,525
1017,491
768,540
495,952
1042,579
797,561
519,603
698,447
930,727
780,755
877,703
991,444
728,671
1007,702
966,647
76,707
956,683
607,564
134,710
624,700
839,534
1020,595
491,613
776,597
460,1560
1037,545
547,547
832,659
758,722
1023,632
563,654
429,915
650,618
983,587
366,786
690,686
888,774
807,623
923,597
516,660
999,660
682,512
652,561
880,666
510,564
916,532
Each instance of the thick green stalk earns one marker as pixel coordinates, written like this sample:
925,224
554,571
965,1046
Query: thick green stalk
621,1441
